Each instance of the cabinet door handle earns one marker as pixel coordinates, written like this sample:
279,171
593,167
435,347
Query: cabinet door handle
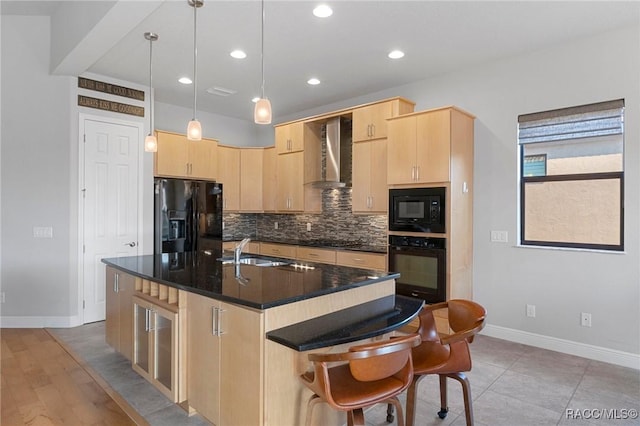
373,130
116,284
214,321
147,319
152,319
418,173
413,173
218,330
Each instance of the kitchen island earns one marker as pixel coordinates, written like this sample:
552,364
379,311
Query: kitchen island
239,335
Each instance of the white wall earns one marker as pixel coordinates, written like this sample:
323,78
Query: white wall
226,130
36,274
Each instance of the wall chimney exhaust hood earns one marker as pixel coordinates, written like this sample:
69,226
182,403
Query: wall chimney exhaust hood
336,154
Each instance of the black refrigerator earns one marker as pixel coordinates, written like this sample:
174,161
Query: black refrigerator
188,215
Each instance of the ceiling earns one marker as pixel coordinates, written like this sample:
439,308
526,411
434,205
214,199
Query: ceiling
347,51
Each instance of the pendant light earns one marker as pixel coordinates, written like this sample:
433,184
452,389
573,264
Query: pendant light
150,142
194,129
262,112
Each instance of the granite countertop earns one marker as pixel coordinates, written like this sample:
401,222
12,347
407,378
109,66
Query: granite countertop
349,325
254,286
329,244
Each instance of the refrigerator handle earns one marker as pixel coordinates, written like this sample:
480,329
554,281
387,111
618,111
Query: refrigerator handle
194,217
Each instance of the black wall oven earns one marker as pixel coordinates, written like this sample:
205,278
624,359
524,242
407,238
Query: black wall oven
421,262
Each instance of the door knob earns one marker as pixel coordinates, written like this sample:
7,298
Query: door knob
131,244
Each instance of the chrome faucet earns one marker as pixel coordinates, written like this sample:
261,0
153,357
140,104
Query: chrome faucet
238,250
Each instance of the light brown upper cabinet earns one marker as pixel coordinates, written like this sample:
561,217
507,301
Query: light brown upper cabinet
420,145
269,179
179,157
370,191
369,121
290,137
296,170
229,176
251,175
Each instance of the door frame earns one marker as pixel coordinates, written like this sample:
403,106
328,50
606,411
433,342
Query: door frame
82,117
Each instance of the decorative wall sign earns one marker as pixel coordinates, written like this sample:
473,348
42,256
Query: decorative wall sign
112,89
86,101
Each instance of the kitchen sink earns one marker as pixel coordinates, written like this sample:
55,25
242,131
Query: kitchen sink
255,261
261,262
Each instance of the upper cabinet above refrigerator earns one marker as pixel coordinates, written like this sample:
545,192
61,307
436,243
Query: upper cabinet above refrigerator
179,157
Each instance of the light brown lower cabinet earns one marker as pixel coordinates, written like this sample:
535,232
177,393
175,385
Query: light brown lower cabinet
225,358
156,346
358,259
119,311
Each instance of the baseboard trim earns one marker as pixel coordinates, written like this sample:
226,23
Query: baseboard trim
598,353
39,322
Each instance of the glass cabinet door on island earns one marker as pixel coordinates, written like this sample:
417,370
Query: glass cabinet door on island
155,354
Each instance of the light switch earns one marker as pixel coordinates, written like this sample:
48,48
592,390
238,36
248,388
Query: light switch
499,236
42,232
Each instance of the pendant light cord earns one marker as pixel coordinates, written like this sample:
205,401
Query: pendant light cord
262,48
195,59
150,86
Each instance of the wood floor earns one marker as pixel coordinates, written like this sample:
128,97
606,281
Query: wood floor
42,384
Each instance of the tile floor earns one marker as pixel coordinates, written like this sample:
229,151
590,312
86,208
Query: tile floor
511,385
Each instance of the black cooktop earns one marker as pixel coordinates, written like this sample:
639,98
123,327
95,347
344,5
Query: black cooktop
332,243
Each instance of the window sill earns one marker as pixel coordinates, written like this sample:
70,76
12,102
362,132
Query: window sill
569,249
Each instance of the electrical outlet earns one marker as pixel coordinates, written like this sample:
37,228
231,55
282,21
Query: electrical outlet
223,225
531,311
275,225
308,226
2,297
585,319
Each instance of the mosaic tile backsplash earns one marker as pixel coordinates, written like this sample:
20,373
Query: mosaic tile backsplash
336,222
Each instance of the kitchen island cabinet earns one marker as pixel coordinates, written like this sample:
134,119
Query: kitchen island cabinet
220,377
119,311
237,374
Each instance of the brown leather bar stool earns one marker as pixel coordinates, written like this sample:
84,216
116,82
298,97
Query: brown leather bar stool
368,374
446,356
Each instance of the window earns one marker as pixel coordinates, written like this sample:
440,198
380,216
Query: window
572,177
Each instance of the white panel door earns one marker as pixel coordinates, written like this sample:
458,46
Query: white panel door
110,205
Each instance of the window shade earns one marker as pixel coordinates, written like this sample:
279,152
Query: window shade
600,119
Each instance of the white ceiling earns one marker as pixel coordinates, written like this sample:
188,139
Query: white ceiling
347,51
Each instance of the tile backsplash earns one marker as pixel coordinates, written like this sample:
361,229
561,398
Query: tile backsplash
336,222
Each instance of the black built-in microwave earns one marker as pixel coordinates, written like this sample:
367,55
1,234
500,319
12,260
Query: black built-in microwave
417,210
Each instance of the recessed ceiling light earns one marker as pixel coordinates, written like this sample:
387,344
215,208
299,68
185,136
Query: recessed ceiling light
396,54
185,80
322,11
238,54
313,81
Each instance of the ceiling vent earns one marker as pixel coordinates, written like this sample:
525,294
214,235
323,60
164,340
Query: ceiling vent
221,91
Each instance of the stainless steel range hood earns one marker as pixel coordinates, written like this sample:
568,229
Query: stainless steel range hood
336,158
